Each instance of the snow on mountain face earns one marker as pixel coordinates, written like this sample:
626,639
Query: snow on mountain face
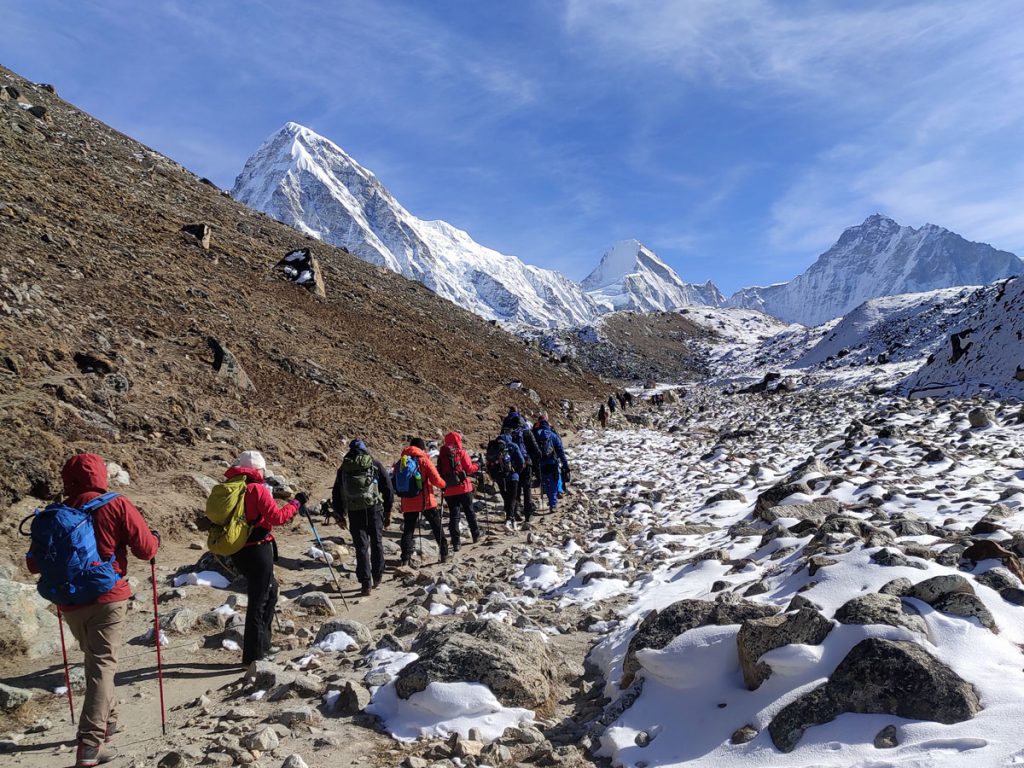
982,355
308,182
879,258
631,277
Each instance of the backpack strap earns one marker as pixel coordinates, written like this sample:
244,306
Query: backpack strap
99,501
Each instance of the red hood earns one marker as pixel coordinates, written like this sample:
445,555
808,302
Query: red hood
453,441
253,474
83,473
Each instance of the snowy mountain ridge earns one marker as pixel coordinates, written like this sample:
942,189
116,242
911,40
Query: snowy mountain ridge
879,258
630,276
310,183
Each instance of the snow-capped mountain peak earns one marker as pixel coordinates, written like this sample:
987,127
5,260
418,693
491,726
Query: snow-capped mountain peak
310,183
879,258
630,276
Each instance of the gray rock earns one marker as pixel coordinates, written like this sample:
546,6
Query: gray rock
27,628
815,511
979,418
774,496
264,739
227,366
875,608
172,760
180,621
266,675
659,628
998,579
744,734
295,715
358,632
728,494
880,677
970,606
518,667
12,698
318,603
758,636
886,738
932,589
294,761
352,700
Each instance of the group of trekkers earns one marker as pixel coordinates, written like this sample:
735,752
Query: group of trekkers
79,546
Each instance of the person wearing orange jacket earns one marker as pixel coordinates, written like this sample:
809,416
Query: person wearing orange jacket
457,469
424,502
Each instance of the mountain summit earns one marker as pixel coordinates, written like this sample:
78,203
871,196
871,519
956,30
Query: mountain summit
310,183
632,277
879,258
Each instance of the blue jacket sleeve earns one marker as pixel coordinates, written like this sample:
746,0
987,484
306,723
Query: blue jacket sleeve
559,450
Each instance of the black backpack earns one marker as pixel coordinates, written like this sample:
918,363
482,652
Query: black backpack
498,460
450,471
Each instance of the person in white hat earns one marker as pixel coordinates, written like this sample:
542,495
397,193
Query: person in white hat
256,559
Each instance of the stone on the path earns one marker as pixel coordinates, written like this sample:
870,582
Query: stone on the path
291,716
266,675
932,589
352,700
27,628
318,603
758,636
519,667
12,698
878,676
878,608
263,739
358,632
814,511
729,494
172,759
180,621
776,494
659,628
968,606
294,761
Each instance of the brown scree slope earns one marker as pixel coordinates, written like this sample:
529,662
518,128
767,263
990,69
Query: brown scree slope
107,308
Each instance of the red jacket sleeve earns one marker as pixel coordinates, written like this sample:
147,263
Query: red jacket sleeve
134,532
433,478
261,507
466,464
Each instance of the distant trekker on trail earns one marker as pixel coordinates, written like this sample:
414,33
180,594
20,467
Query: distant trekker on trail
602,416
611,403
554,466
246,500
414,478
628,396
362,494
457,468
505,464
519,429
94,599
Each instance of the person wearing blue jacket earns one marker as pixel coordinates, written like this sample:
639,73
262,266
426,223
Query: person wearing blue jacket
506,465
554,466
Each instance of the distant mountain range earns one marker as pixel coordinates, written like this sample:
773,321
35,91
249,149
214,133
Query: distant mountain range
310,183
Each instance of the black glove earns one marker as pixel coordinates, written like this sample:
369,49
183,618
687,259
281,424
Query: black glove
302,497
156,535
566,475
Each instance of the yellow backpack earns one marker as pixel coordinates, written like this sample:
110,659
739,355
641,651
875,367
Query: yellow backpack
225,509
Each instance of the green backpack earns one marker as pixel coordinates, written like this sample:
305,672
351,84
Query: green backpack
360,487
225,509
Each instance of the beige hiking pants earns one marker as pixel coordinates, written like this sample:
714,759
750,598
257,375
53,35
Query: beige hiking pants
97,628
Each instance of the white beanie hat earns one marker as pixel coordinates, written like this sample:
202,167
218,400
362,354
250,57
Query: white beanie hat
251,460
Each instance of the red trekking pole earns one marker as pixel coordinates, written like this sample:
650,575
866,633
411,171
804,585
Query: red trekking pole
67,675
159,664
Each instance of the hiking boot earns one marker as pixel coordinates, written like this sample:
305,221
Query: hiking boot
377,580
405,562
88,756
455,547
510,525
527,526
476,537
365,591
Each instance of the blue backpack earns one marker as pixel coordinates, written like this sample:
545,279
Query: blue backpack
545,438
408,480
71,571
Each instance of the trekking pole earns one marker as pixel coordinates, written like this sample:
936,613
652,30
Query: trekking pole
156,635
323,552
67,674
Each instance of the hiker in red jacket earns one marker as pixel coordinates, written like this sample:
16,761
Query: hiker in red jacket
457,468
424,502
256,559
97,626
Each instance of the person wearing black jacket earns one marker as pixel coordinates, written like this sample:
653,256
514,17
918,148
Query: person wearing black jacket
363,494
519,428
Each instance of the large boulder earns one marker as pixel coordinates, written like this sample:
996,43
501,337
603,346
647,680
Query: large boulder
519,667
890,677
758,636
774,496
659,628
27,628
358,632
878,608
814,511
930,590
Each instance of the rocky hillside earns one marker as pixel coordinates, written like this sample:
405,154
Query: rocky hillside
879,258
159,347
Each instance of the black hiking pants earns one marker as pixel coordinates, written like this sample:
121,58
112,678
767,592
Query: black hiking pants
256,563
409,521
457,506
510,496
526,491
367,529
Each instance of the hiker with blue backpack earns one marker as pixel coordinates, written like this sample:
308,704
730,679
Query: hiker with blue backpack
80,550
553,465
519,429
506,466
243,515
362,499
415,478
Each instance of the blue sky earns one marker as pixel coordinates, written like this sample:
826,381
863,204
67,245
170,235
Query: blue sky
737,139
